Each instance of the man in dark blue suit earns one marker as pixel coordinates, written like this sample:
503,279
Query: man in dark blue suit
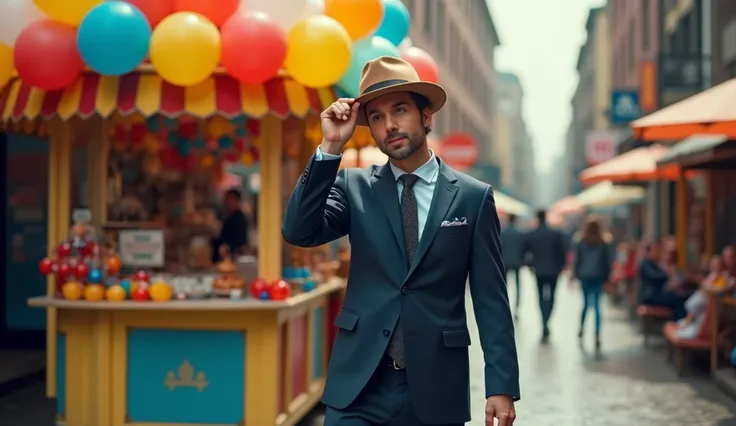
418,231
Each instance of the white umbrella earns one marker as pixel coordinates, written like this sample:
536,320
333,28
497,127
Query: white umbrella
606,194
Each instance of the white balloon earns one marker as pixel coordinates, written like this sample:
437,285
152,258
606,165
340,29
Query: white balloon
285,12
15,16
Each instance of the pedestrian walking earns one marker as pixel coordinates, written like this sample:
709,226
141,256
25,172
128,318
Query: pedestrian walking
592,267
547,248
418,230
512,242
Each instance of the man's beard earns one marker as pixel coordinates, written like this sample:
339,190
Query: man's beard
415,141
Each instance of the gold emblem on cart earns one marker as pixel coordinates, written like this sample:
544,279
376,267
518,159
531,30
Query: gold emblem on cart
186,378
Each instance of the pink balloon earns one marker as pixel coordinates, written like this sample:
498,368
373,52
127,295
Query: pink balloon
423,63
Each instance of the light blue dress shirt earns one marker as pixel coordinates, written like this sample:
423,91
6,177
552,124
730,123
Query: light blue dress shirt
423,189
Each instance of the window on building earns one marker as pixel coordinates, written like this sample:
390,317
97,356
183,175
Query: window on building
440,33
428,16
645,17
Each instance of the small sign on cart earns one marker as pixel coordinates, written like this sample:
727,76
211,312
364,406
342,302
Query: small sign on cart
142,248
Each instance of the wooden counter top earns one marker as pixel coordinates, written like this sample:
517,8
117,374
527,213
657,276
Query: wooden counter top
215,304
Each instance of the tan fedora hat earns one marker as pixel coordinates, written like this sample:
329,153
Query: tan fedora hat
388,74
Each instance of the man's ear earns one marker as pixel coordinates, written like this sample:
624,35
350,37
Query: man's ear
427,117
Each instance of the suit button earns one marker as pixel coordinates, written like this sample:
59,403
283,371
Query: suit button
304,181
386,332
404,290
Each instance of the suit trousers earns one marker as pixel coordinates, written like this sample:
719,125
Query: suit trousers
547,285
516,271
384,401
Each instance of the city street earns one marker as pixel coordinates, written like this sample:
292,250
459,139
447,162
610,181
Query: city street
562,383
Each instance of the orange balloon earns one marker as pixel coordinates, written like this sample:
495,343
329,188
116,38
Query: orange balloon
115,294
360,18
217,11
94,292
113,265
72,290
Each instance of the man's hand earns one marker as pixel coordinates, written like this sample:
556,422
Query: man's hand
338,125
502,408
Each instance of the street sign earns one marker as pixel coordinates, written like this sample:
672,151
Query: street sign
624,106
459,150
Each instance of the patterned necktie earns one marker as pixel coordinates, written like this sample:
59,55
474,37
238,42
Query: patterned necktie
410,221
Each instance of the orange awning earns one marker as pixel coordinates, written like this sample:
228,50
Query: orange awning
147,94
712,111
637,165
565,206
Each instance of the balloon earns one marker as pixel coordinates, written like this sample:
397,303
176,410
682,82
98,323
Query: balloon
113,38
286,13
364,51
185,48
423,63
318,51
359,17
15,15
155,10
69,12
253,47
217,11
46,55
396,22
405,44
7,65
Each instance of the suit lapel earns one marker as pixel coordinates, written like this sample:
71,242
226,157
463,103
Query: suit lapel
384,185
444,194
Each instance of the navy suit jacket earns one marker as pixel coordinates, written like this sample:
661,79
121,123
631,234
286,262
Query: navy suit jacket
428,294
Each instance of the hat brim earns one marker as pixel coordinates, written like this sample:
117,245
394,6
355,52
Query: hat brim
434,93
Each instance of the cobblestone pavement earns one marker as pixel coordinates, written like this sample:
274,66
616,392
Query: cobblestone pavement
562,383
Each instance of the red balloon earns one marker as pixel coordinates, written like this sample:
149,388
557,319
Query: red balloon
423,63
64,271
46,55
155,10
141,276
217,11
258,286
81,271
279,290
253,47
46,266
64,250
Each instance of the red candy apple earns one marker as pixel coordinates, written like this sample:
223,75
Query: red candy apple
64,250
258,286
65,272
279,290
141,294
81,271
46,266
141,276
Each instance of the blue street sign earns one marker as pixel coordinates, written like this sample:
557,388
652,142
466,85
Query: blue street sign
624,106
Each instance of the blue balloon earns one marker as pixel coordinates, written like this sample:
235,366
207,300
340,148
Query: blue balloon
94,276
113,38
363,52
127,286
396,22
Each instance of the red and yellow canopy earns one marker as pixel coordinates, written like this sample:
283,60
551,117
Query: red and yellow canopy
146,93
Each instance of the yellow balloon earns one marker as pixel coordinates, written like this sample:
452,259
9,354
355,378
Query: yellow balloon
360,18
7,66
70,12
185,48
319,51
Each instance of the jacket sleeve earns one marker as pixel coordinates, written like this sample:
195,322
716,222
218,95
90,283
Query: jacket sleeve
491,304
318,212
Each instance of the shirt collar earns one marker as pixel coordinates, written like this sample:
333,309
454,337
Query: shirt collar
426,172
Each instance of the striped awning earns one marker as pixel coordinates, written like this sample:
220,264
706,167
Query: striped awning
148,94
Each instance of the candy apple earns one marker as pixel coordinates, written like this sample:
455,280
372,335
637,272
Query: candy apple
46,266
258,286
279,290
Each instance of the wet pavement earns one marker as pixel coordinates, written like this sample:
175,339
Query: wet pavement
562,383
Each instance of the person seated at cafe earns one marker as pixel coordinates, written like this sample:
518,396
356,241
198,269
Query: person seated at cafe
234,230
718,281
656,286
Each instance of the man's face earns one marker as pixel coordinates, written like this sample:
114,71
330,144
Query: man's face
397,125
232,203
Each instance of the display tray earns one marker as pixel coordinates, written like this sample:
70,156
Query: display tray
189,305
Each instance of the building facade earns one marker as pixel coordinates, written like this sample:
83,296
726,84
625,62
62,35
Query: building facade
512,145
634,39
591,100
462,37
723,40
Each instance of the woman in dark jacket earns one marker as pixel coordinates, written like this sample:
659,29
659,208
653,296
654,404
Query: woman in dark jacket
593,268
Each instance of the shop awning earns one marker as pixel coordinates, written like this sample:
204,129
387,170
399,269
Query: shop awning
607,194
565,206
509,205
637,165
147,94
693,146
712,111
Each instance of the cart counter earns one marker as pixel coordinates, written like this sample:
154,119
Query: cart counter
209,362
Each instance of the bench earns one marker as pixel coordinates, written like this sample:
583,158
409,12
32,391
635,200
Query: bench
651,316
680,347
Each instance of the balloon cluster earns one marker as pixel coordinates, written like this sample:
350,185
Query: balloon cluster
318,42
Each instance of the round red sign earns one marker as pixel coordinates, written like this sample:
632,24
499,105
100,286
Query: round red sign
459,150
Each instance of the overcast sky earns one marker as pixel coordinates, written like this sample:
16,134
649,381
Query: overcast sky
540,40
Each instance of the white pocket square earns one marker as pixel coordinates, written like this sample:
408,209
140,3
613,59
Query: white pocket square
455,222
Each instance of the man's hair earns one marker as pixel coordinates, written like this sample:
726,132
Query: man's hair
512,219
542,216
421,102
232,192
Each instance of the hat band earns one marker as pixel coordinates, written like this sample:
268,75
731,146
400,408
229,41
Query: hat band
383,84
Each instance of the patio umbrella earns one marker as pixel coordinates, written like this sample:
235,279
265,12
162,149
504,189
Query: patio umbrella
637,165
607,194
712,111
